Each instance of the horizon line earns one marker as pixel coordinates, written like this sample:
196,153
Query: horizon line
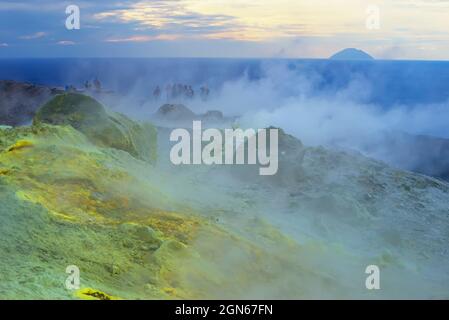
228,58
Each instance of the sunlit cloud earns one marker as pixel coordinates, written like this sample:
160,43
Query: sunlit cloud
200,21
144,38
264,20
299,28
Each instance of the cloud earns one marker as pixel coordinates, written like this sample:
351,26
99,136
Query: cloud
66,43
417,29
36,35
171,16
42,5
144,38
192,20
4,44
423,3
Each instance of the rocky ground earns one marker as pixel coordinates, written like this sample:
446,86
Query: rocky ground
140,228
428,155
19,101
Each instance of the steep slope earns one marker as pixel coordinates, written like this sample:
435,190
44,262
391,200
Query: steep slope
67,201
141,230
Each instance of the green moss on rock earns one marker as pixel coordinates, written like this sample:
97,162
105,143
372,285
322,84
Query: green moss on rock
104,129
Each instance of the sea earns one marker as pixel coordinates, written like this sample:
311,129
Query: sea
390,82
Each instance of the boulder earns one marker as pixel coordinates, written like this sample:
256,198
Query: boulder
175,112
19,101
214,115
104,129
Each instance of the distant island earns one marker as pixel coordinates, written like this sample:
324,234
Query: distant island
351,54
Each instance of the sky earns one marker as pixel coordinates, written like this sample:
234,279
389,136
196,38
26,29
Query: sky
388,29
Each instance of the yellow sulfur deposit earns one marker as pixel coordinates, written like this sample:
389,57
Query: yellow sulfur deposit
93,294
21,144
89,207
